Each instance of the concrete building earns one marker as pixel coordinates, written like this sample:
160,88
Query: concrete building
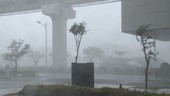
136,13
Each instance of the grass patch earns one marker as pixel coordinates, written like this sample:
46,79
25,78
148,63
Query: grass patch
150,88
62,90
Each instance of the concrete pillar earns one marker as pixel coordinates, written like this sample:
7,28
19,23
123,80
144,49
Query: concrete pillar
59,14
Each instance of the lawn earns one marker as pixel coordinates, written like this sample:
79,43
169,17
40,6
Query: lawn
63,90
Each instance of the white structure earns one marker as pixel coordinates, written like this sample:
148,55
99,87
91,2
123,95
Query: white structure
134,14
59,14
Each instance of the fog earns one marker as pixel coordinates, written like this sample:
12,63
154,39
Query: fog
104,25
103,22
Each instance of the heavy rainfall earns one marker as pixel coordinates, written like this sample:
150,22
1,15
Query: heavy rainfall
117,56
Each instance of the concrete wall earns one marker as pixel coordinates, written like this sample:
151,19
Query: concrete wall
141,12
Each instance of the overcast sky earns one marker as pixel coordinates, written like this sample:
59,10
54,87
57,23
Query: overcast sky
103,22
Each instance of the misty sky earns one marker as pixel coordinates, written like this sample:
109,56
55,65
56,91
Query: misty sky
103,22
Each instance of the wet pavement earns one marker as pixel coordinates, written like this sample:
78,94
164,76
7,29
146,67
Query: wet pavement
131,82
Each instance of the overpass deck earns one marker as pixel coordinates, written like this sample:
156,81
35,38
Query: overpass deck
8,7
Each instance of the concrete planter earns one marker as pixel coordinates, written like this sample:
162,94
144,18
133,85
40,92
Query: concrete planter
83,74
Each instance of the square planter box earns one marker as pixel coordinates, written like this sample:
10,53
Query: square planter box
83,74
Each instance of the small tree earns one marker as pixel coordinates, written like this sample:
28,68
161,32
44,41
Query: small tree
120,53
35,56
17,49
92,52
148,47
78,30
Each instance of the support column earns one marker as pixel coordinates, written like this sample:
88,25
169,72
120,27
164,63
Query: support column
59,14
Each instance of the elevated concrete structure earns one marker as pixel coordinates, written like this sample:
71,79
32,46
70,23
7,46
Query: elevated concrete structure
12,6
136,13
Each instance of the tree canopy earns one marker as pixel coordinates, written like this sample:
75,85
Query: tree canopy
16,50
35,56
78,30
92,53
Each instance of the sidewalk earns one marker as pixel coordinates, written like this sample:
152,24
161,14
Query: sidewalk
8,91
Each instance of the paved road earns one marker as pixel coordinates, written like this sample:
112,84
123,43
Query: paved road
7,91
14,84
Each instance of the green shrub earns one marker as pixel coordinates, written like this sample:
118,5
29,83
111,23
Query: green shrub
62,90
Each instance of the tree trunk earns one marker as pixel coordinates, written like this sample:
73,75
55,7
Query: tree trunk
77,54
16,67
146,76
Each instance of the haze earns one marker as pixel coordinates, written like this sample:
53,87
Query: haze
103,21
